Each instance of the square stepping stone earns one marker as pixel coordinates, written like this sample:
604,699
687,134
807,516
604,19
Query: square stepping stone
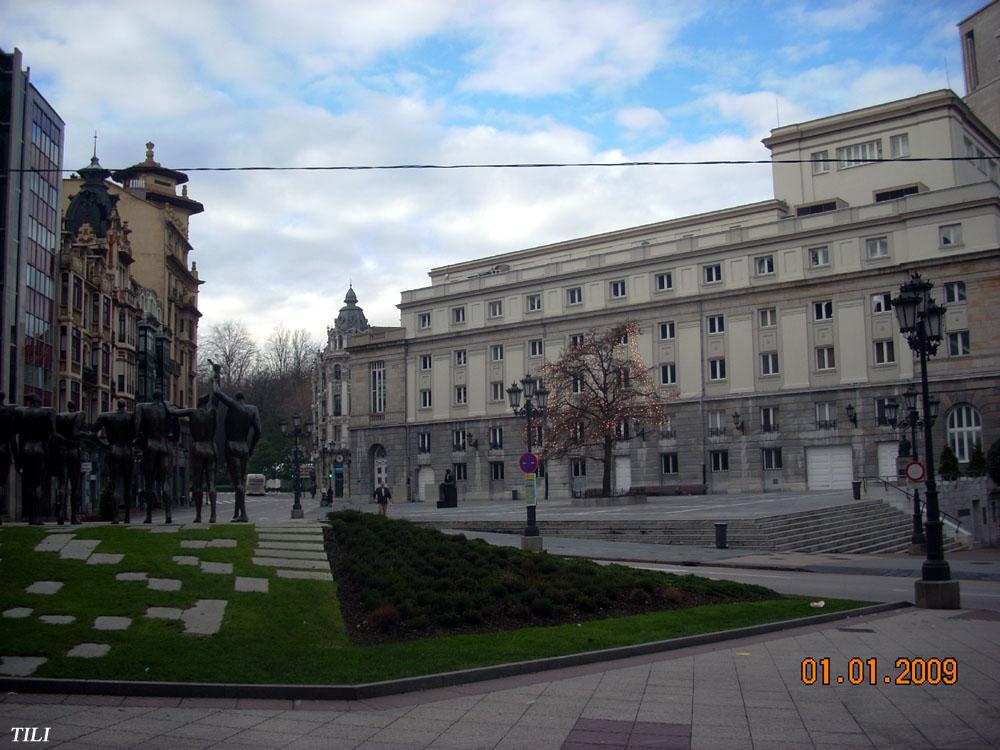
53,542
79,549
194,543
20,666
164,529
186,560
105,622
205,617
222,543
18,613
131,576
57,619
312,575
221,568
164,613
44,587
163,584
100,558
251,584
89,650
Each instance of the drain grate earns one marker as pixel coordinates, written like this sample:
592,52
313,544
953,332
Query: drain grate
855,630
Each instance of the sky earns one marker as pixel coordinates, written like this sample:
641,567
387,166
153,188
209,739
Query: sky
287,83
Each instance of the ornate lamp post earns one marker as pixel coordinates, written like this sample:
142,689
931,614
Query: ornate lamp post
536,396
920,318
912,420
298,430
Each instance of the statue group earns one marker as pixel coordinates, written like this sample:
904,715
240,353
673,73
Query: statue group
45,445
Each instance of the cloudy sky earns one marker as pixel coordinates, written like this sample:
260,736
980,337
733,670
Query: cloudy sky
382,82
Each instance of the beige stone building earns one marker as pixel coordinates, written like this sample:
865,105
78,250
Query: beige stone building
980,35
767,324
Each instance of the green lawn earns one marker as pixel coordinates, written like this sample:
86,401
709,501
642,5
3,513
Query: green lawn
294,634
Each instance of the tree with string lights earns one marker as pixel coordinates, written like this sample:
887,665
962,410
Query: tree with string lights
600,392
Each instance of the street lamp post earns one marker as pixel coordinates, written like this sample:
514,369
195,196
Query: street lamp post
920,319
536,397
911,421
298,430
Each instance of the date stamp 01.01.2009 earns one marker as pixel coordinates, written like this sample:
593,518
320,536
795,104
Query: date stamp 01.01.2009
905,671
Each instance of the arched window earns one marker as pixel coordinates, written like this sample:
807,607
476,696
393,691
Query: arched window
965,431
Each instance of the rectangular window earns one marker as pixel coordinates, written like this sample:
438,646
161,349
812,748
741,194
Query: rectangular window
880,408
950,235
574,295
668,463
496,391
769,363
496,352
458,315
720,461
536,348
819,257
424,321
823,310
425,361
825,359
820,161
668,374
534,302
496,471
764,265
617,288
664,281
577,385
881,303
458,441
496,308
716,323
425,398
717,369
885,352
716,423
461,395
899,146
576,339
667,330
958,344
859,153
461,358
954,292
461,472
771,458
768,419
877,247
424,442
496,438
767,317
826,415
713,274
578,467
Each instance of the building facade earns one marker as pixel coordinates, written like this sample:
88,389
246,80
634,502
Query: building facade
980,35
767,325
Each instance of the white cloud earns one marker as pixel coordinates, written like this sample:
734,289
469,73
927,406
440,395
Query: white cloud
838,16
640,119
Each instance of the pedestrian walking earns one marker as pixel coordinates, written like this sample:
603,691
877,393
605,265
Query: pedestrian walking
382,496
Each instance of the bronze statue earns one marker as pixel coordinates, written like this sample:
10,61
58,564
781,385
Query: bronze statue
242,433
119,429
34,426
152,427
66,454
203,455
6,450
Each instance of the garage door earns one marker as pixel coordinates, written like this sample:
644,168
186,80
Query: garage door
829,468
887,453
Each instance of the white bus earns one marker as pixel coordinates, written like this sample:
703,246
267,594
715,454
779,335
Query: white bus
256,484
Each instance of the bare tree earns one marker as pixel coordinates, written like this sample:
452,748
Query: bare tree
230,344
289,353
600,390
303,349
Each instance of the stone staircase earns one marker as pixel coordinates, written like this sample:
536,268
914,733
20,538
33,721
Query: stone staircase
858,528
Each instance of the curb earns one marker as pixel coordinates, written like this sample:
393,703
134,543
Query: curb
412,684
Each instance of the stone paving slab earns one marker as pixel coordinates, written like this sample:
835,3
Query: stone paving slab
311,546
287,537
18,613
106,622
131,576
284,562
57,619
53,542
186,560
100,558
78,549
20,666
205,617
312,575
194,543
46,588
252,584
218,568
89,650
291,554
222,543
164,529
163,584
164,613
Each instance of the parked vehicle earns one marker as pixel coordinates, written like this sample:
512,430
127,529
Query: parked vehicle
256,484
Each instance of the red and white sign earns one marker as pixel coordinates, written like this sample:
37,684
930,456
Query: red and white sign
914,471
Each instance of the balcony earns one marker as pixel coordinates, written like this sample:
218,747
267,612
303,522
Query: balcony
826,424
769,428
666,433
716,431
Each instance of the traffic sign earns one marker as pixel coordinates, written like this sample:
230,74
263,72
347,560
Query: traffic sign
914,471
529,463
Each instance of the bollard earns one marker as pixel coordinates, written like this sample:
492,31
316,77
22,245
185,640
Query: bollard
720,535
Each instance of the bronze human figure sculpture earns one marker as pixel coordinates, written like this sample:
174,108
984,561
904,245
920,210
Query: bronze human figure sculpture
203,456
242,433
34,426
152,426
6,450
66,450
119,431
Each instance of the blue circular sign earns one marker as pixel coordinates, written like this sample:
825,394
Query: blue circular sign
529,463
